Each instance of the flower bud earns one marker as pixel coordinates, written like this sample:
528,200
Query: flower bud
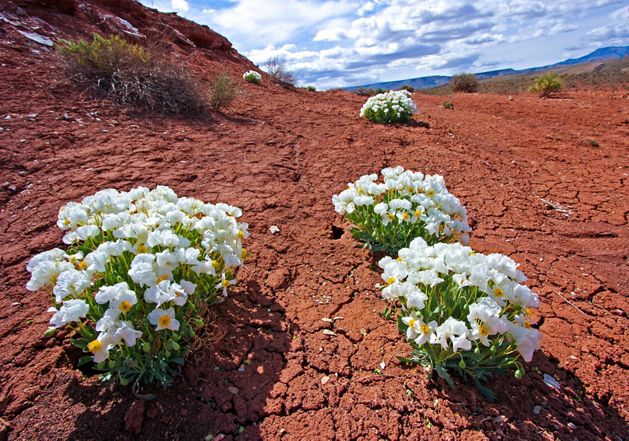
519,373
462,364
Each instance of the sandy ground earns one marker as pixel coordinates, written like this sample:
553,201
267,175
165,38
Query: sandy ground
536,189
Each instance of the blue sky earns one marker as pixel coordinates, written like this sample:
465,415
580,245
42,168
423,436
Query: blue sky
334,43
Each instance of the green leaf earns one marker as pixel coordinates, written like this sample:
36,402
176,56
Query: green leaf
85,360
50,332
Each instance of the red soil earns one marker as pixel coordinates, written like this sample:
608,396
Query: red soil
269,371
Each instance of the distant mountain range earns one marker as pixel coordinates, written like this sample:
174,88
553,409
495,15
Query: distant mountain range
604,53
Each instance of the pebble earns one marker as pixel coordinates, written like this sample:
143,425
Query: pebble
500,419
241,369
537,410
233,390
551,382
273,229
329,332
572,426
325,379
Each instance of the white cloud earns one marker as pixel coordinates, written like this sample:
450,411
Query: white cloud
346,42
180,5
276,21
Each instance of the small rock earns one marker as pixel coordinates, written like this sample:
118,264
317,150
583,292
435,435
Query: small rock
32,115
38,38
382,364
500,419
551,382
325,379
537,410
329,332
241,368
572,426
327,320
233,390
134,417
273,229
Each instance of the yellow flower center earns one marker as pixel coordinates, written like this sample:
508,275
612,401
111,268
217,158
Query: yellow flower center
391,216
418,212
430,192
498,292
215,263
527,324
125,306
405,216
241,234
142,249
81,265
528,311
483,330
94,346
162,278
244,253
391,280
199,215
225,283
164,321
411,323
425,328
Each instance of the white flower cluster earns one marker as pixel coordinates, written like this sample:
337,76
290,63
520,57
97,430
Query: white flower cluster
136,258
251,76
477,297
405,198
389,107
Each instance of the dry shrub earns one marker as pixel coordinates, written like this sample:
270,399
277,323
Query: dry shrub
277,70
130,75
224,91
464,82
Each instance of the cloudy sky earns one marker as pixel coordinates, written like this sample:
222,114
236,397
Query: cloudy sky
332,43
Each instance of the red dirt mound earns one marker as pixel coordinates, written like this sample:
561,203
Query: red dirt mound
534,189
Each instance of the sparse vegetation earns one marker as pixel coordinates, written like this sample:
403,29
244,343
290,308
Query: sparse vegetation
278,71
251,76
411,89
366,91
129,74
224,91
311,88
448,105
464,82
545,85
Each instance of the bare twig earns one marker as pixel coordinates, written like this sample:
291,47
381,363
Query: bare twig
555,206
572,304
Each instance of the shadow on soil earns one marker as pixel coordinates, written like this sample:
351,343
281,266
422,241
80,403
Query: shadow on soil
223,389
531,409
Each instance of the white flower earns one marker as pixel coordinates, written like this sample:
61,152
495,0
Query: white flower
225,283
484,318
70,311
124,332
142,271
252,76
164,319
71,282
452,331
71,216
527,340
100,347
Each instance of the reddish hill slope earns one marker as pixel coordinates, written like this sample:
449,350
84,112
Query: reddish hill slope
536,188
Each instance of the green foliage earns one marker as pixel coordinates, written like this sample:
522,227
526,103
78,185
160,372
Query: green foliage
545,85
224,91
448,105
411,89
464,82
129,74
311,88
